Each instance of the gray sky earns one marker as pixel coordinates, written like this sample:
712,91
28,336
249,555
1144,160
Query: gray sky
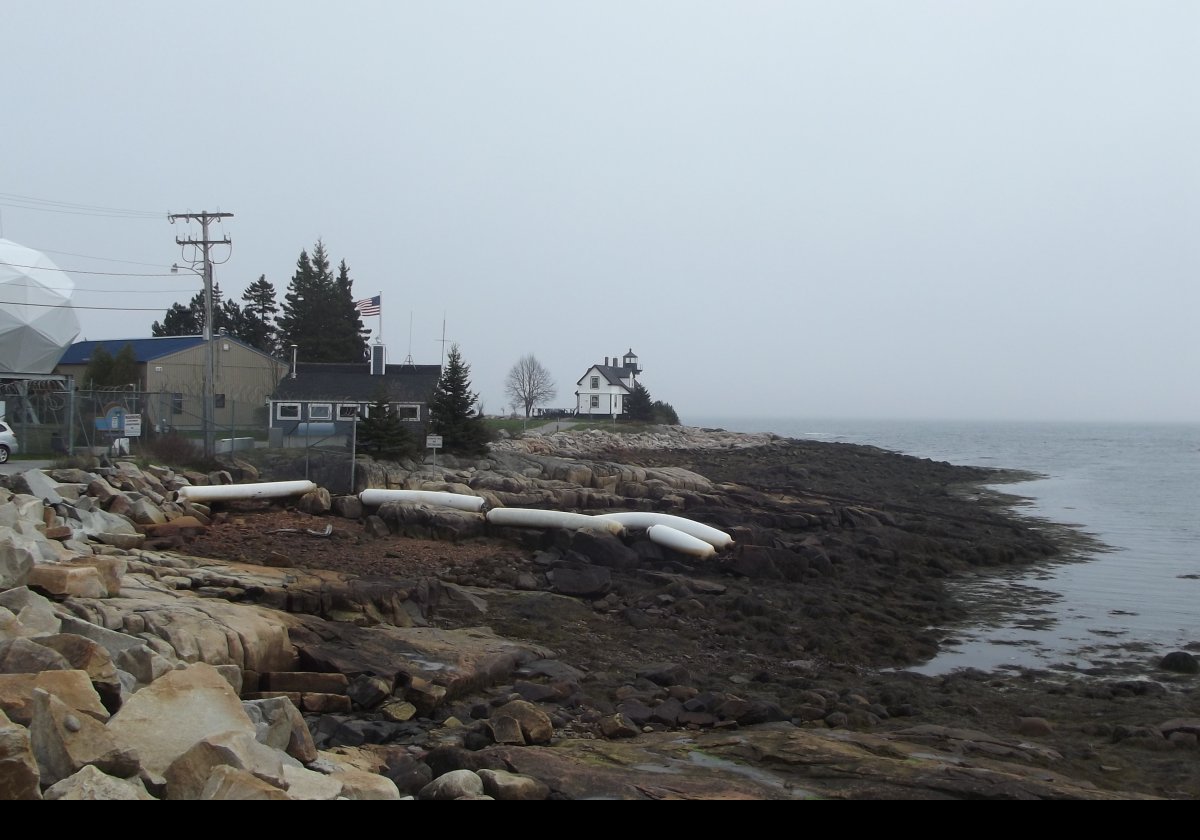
968,210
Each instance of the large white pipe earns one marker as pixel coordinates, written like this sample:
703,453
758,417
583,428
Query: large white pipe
459,501
646,519
676,540
233,492
535,518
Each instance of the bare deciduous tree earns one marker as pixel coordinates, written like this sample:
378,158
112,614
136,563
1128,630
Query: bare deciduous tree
529,384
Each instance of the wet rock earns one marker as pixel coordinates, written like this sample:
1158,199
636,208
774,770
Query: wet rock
586,582
1181,662
666,674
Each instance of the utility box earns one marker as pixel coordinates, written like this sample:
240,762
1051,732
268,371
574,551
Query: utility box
234,444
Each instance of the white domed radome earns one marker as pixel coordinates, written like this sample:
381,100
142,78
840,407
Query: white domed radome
37,321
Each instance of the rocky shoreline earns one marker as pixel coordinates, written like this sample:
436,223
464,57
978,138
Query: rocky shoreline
317,649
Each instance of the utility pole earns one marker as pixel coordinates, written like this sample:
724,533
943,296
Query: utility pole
204,243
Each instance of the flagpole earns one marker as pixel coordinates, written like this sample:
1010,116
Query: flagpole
379,337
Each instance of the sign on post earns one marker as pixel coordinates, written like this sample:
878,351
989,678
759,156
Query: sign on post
133,425
433,442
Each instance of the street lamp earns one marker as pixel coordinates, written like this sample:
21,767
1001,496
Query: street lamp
208,408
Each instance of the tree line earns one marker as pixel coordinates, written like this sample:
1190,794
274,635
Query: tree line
317,314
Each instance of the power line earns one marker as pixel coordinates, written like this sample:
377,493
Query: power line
101,259
26,202
75,306
82,271
98,291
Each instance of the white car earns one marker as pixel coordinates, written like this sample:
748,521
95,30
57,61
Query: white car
8,442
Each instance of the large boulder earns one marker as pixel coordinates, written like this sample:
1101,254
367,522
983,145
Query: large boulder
188,774
19,776
17,557
90,784
65,741
166,718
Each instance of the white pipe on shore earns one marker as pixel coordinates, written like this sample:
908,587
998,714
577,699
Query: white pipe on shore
536,518
677,540
458,501
231,492
647,519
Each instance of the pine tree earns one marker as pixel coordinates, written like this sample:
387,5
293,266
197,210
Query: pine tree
351,341
664,414
180,320
124,368
638,406
189,320
259,315
452,409
382,434
98,373
318,312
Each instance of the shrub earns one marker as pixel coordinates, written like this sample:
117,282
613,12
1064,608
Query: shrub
175,450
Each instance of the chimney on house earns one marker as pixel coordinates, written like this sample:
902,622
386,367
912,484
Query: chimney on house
378,360
606,361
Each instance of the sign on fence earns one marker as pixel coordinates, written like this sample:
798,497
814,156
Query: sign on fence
133,425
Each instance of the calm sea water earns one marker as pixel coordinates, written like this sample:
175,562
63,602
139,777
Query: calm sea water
1136,488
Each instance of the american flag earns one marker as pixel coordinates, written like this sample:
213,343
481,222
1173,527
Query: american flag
368,306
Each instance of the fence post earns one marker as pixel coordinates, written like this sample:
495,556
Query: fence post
353,449
70,415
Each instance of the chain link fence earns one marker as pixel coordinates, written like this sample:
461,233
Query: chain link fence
50,419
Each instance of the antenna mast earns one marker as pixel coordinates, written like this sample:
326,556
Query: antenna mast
408,360
443,339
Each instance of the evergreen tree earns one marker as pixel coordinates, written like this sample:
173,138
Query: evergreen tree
355,339
189,320
124,368
98,373
664,414
638,406
259,314
231,318
318,313
382,434
295,315
106,371
180,320
452,409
